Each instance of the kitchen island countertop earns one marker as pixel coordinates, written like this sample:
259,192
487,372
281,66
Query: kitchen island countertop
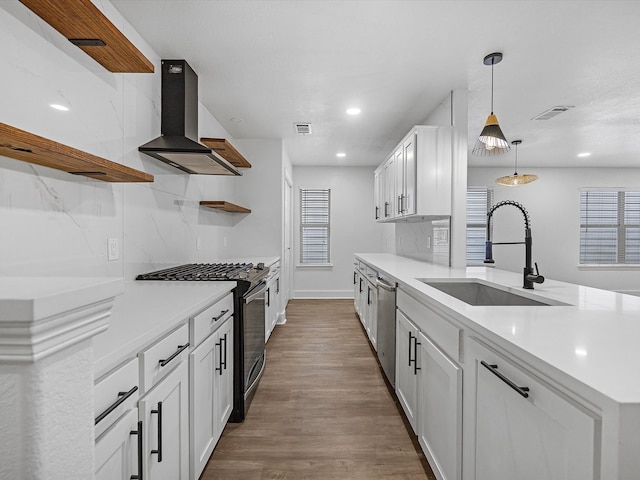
593,340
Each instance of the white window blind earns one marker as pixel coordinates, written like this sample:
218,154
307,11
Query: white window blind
609,227
479,200
314,226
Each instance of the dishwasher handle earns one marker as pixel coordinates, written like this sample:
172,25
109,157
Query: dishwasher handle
384,285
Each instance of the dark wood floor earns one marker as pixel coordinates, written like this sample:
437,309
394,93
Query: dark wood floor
322,410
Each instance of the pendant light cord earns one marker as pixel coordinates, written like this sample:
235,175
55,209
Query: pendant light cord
492,61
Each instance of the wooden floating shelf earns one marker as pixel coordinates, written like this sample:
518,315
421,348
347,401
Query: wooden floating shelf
84,25
25,146
227,151
224,206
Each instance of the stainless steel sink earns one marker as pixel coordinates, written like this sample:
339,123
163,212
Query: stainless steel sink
482,293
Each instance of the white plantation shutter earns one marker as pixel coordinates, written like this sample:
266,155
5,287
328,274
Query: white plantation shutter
479,200
314,226
609,227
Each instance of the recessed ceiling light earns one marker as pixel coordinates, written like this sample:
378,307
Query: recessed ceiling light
584,154
59,107
341,154
353,111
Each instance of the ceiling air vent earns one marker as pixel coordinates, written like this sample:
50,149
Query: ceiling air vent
552,112
302,128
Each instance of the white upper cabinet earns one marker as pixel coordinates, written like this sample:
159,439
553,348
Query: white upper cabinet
415,181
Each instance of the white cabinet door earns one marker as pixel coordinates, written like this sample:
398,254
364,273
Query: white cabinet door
372,324
440,404
408,196
378,196
164,412
356,290
223,382
211,398
117,449
203,362
407,367
543,436
389,190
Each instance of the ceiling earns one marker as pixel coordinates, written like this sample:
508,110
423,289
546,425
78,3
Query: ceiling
263,65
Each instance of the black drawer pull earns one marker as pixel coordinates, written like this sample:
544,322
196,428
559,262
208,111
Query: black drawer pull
123,396
159,450
222,314
181,348
494,369
415,351
138,432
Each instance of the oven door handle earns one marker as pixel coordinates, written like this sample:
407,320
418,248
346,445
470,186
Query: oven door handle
256,291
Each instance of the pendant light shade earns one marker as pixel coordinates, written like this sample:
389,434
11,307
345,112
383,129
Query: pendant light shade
491,140
516,179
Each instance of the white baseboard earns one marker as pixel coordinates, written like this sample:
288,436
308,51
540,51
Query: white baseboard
325,294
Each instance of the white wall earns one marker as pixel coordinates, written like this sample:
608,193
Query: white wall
353,228
553,203
54,223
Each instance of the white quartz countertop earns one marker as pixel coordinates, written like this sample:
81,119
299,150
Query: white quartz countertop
146,311
594,339
28,299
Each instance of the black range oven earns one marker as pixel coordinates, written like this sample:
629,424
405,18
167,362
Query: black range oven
248,320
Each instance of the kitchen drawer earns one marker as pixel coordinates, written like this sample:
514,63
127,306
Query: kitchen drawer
208,321
160,358
443,333
116,393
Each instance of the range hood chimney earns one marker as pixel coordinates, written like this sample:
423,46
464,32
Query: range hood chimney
179,125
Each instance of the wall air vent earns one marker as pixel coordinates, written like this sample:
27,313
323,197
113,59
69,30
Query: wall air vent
552,112
302,128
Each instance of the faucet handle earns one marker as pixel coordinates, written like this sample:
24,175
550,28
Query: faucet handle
537,271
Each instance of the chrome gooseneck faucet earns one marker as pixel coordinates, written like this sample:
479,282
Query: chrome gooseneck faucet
529,278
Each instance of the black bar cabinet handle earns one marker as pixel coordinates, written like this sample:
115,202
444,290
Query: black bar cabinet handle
181,348
368,295
123,396
159,450
219,345
377,210
138,432
355,274
360,285
410,338
268,297
222,314
278,282
494,369
225,352
415,352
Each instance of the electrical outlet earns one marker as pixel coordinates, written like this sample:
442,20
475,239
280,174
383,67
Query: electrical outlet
113,249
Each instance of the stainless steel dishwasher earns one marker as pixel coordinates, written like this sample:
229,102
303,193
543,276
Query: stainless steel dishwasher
387,328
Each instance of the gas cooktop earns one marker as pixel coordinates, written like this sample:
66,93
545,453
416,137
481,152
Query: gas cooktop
208,272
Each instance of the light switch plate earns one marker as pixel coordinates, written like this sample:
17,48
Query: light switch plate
113,249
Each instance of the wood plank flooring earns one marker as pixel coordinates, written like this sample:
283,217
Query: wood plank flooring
322,409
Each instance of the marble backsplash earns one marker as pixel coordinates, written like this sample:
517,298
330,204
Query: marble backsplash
53,223
427,240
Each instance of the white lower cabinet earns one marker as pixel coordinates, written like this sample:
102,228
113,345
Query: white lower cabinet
407,367
211,400
164,411
440,410
117,449
522,428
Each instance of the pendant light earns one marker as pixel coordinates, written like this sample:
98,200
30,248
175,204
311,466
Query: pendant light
516,180
491,140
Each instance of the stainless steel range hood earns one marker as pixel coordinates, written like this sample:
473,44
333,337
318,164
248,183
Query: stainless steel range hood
179,125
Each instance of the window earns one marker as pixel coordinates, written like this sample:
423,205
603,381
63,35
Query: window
609,227
479,201
314,226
